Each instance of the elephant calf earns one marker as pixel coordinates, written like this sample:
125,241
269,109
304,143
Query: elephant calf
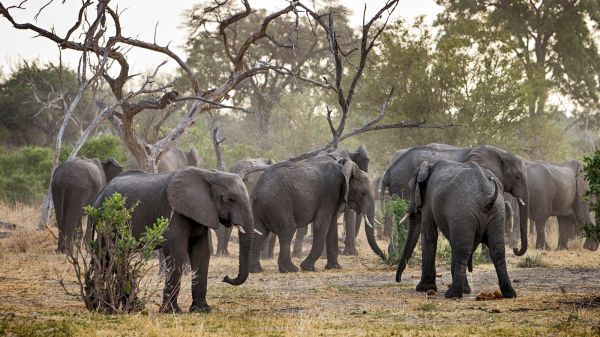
466,203
75,184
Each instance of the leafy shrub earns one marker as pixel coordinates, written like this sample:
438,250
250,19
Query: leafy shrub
111,267
532,261
24,174
396,207
592,175
100,147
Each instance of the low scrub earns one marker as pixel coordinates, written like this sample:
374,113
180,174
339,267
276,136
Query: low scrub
110,269
532,261
396,208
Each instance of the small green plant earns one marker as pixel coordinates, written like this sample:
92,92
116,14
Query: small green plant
110,268
591,170
396,207
428,306
532,261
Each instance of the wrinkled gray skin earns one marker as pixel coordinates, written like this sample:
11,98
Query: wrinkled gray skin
509,169
558,190
224,233
292,195
195,200
352,219
435,192
76,184
173,160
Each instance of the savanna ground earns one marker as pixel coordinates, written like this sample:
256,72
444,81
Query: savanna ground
560,298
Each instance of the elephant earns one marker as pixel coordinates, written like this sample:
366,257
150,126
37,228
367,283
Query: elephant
194,200
224,233
174,159
510,170
352,220
465,202
75,184
291,195
558,190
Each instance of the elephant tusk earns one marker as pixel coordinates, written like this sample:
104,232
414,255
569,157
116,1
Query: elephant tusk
404,219
367,221
521,202
377,222
240,229
257,232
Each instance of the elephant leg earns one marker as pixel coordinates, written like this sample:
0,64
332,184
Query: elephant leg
350,217
255,266
540,229
300,234
496,246
70,228
272,242
332,245
268,247
429,239
462,243
564,229
285,241
176,251
199,253
223,236
320,229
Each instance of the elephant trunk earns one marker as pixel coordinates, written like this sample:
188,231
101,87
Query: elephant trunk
246,240
523,217
370,231
414,230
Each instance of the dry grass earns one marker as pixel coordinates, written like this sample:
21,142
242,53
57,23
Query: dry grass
361,299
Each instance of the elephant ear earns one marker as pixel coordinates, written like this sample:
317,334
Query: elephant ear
421,175
189,193
490,158
112,168
348,171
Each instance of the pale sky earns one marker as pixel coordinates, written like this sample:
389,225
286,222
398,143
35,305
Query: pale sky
139,20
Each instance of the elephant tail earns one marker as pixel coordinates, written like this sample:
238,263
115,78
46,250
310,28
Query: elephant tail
492,201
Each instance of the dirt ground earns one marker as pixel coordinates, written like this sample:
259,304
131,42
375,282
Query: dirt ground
362,299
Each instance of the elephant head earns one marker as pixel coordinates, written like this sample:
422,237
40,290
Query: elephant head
358,196
511,171
210,198
111,168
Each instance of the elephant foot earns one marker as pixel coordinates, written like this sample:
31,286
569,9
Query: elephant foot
350,251
542,246
288,269
335,265
466,288
256,269
297,254
424,286
451,293
205,308
307,266
170,308
508,293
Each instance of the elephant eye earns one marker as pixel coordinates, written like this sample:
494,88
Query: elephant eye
230,199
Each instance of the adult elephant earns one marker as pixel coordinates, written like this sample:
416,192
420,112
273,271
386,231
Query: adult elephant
510,170
558,190
352,219
75,184
174,159
435,192
292,195
195,200
224,233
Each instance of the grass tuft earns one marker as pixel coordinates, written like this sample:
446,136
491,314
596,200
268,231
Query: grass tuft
532,261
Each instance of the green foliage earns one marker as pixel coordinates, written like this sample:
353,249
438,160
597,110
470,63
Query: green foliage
396,207
532,261
100,147
591,170
117,259
444,254
24,174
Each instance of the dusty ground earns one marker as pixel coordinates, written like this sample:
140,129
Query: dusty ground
562,298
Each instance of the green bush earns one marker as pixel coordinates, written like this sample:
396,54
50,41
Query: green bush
24,174
100,147
592,175
396,207
111,267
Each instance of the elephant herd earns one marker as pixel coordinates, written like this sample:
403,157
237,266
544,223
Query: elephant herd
471,195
